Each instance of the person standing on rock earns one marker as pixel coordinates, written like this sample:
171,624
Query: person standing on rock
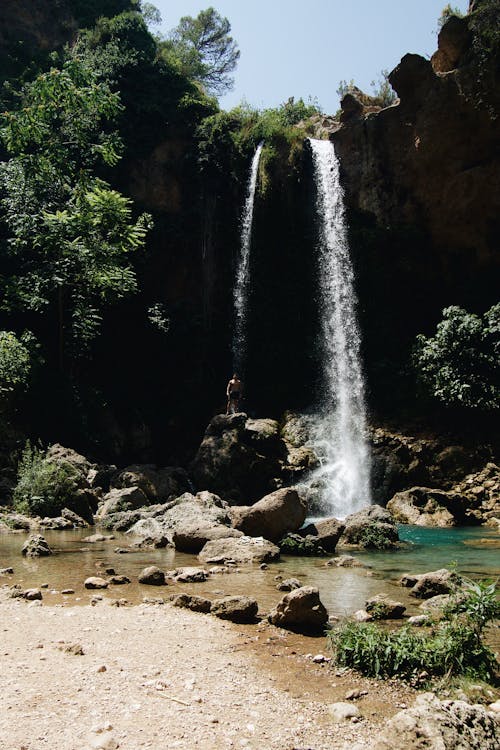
234,392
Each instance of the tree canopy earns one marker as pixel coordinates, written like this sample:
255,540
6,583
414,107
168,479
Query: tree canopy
206,51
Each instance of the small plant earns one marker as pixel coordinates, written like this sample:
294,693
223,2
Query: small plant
374,536
43,486
447,13
479,605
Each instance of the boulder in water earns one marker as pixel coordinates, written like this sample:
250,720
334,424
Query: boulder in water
240,609
273,516
327,530
192,602
381,607
245,549
36,546
301,610
372,527
152,576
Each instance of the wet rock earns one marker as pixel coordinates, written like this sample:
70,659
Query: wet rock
192,539
32,595
432,723
18,522
340,712
383,608
345,561
304,546
6,571
153,542
55,524
372,527
431,584
190,575
119,580
240,609
289,584
192,602
328,532
245,549
95,538
152,576
274,515
94,582
300,610
36,546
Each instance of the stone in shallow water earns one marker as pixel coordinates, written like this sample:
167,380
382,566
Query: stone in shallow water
152,576
240,609
94,582
36,546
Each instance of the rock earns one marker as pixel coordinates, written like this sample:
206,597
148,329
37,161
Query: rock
244,549
55,524
289,584
95,538
129,498
419,620
431,584
328,531
74,518
240,463
447,725
153,542
454,39
101,476
190,575
32,595
192,602
300,610
341,711
425,507
68,591
68,457
240,609
192,539
158,485
152,576
274,515
18,522
36,546
6,571
345,561
361,615
372,527
118,580
306,546
436,603
94,582
382,608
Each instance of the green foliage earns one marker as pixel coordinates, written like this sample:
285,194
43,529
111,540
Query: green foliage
294,544
69,233
204,49
15,362
460,364
447,12
373,536
479,604
453,648
43,487
382,91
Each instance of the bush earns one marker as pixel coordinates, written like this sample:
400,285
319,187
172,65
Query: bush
43,487
374,536
15,362
453,648
460,364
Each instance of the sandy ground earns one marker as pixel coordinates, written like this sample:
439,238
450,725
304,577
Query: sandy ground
159,677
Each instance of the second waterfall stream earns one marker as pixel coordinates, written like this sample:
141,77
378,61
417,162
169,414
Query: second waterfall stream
340,424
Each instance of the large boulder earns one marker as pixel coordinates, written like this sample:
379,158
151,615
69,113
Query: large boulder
437,582
300,610
36,546
372,527
273,516
245,549
240,609
421,506
327,531
68,457
116,500
159,485
152,576
192,539
239,458
443,725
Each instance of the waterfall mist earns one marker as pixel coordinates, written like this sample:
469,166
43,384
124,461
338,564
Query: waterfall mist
242,280
343,478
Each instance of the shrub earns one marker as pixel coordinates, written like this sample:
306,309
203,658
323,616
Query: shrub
374,536
460,364
447,13
43,486
453,648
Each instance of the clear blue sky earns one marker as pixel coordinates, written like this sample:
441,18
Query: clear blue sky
302,49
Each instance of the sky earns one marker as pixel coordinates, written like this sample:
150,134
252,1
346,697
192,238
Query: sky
305,48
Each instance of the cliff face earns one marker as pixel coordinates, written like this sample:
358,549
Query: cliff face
432,159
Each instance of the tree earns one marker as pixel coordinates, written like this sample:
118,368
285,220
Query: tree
447,13
205,50
68,233
460,364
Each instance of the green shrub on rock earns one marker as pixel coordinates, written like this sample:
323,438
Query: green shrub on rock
43,487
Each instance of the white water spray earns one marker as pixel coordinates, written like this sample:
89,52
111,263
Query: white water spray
242,282
340,440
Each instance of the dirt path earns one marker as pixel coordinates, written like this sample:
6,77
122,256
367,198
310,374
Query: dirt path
158,677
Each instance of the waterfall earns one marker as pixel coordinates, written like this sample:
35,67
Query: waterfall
242,281
340,427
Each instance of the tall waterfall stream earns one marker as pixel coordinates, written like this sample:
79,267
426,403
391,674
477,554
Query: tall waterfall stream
340,426
242,281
